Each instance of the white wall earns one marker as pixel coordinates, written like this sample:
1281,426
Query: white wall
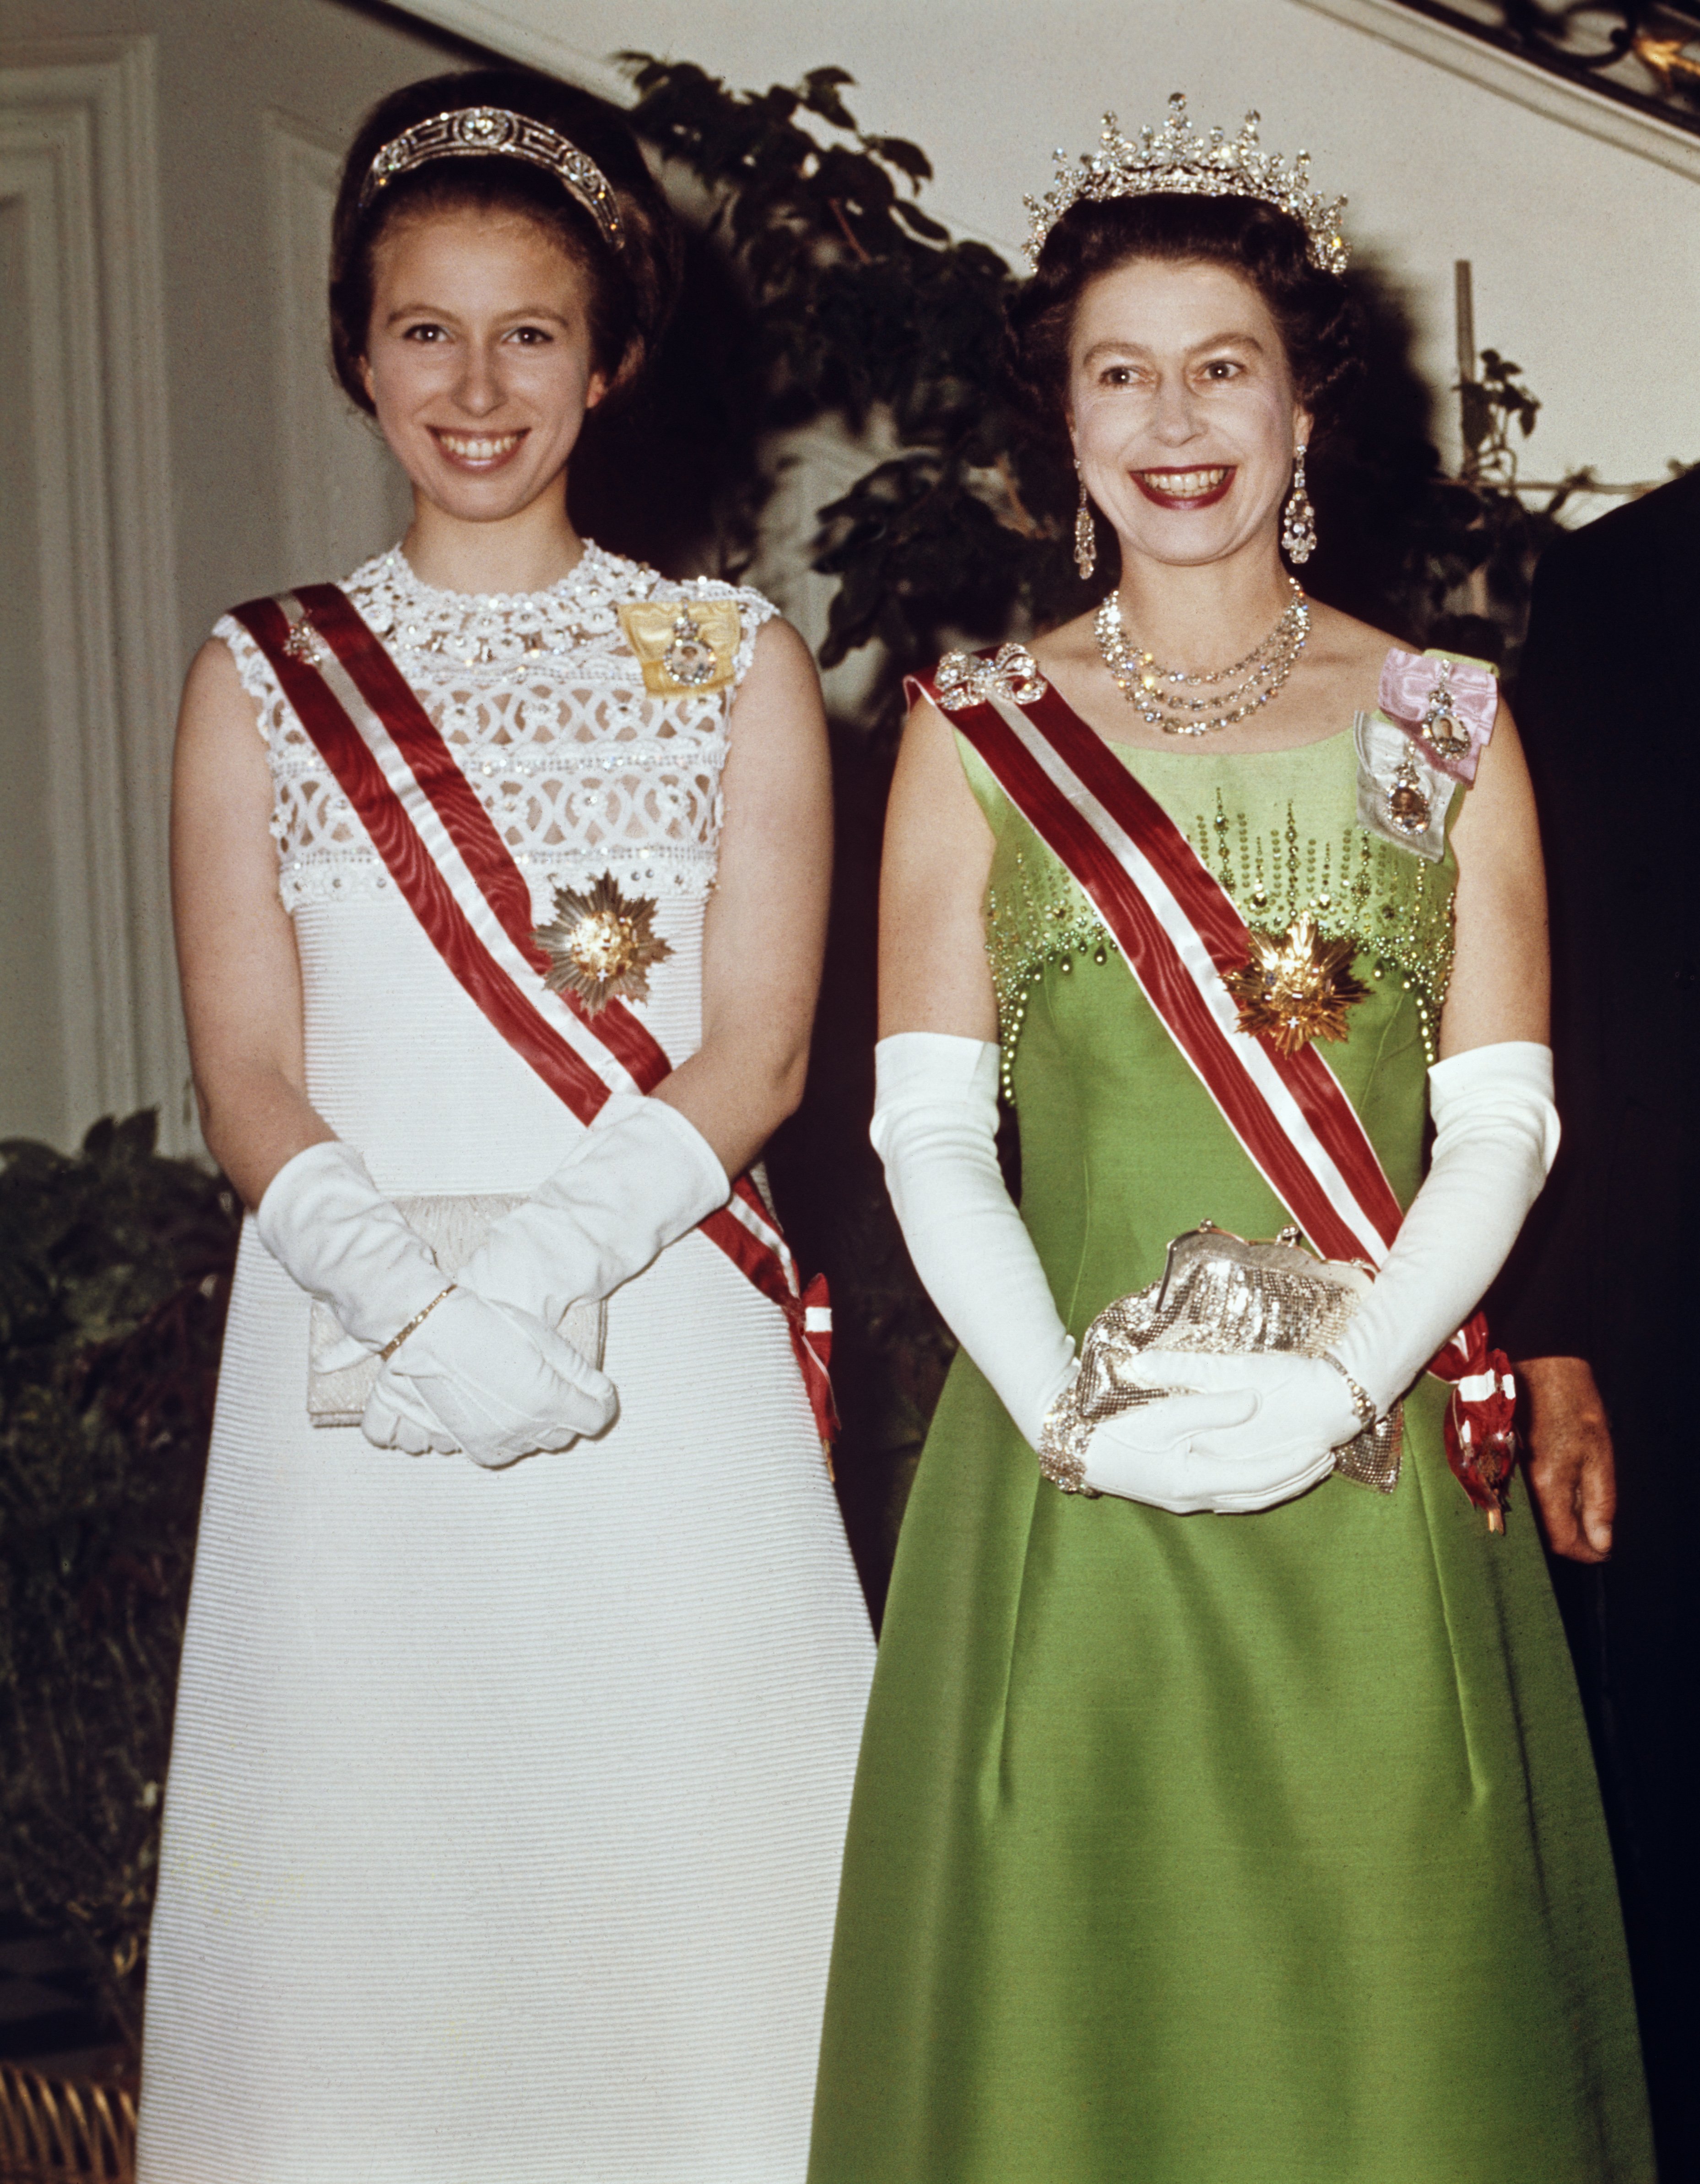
1586,251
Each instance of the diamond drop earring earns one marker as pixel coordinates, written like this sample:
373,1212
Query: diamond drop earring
1085,531
1298,521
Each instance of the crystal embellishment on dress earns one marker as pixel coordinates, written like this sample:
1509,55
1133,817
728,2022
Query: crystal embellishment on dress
601,944
1295,986
686,645
962,680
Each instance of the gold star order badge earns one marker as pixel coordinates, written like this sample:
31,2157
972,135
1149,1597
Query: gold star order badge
601,944
1295,986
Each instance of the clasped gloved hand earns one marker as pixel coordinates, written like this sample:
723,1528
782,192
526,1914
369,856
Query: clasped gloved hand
1253,1432
469,1375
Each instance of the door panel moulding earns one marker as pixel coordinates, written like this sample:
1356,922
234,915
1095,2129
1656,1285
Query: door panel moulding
78,146
1523,82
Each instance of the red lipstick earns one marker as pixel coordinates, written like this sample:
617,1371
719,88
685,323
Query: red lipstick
1149,484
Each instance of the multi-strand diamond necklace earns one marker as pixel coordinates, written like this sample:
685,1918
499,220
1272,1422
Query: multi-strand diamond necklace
1159,694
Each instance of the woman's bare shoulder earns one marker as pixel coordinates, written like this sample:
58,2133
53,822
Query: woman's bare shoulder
219,715
213,673
1342,640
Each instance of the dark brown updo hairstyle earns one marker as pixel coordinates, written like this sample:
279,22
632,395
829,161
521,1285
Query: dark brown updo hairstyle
632,290
1260,242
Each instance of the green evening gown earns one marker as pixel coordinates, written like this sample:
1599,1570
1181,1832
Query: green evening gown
1217,1850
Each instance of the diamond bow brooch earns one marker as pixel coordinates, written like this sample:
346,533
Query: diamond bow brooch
963,679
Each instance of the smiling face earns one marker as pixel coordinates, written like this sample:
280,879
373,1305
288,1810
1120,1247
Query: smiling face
479,360
1182,409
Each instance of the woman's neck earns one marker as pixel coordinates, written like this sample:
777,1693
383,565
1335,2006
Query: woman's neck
1194,617
526,552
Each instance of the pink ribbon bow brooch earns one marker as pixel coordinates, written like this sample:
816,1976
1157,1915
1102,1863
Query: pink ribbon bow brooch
1446,706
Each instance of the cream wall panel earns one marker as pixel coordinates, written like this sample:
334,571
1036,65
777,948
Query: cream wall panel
1586,251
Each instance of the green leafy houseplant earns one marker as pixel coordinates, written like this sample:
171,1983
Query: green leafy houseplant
114,1273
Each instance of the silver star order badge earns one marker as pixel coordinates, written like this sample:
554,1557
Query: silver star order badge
962,680
601,944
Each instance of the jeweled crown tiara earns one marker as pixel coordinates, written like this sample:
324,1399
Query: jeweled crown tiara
1176,160
471,131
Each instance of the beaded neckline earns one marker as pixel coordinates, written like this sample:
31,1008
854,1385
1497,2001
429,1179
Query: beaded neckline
595,571
496,628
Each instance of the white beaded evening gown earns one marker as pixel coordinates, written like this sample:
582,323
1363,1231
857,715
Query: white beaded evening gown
504,1821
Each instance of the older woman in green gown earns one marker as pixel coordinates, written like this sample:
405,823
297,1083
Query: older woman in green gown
1229,1822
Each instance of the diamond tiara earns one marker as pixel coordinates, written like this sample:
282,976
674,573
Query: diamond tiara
1176,160
471,130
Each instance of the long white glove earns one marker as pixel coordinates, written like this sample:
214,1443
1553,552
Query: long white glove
935,1128
518,1386
1495,1136
641,1177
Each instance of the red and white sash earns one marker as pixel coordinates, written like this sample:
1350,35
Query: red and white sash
455,873
1178,932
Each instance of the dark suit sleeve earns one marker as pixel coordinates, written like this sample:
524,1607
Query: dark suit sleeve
1544,1304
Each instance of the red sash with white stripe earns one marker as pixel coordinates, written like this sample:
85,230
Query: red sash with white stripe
1179,933
455,873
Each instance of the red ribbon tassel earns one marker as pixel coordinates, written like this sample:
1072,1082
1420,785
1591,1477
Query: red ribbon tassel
1481,1417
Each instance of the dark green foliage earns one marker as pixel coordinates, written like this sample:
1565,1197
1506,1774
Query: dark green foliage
865,307
115,1269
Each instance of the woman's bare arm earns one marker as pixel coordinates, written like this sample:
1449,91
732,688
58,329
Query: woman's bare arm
1501,981
766,932
933,975
236,948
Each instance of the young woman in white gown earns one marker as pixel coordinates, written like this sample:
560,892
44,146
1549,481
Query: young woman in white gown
510,1770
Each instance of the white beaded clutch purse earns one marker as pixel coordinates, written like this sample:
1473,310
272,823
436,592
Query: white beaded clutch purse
341,1373
1219,1296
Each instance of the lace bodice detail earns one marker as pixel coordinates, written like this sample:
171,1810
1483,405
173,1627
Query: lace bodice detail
541,698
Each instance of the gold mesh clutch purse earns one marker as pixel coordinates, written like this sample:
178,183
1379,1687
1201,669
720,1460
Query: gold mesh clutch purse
1222,1297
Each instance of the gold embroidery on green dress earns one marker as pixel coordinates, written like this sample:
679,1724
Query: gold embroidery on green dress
1397,908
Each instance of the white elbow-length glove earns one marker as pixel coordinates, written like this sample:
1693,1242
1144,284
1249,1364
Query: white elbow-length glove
641,1177
935,1128
474,1376
1495,1136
